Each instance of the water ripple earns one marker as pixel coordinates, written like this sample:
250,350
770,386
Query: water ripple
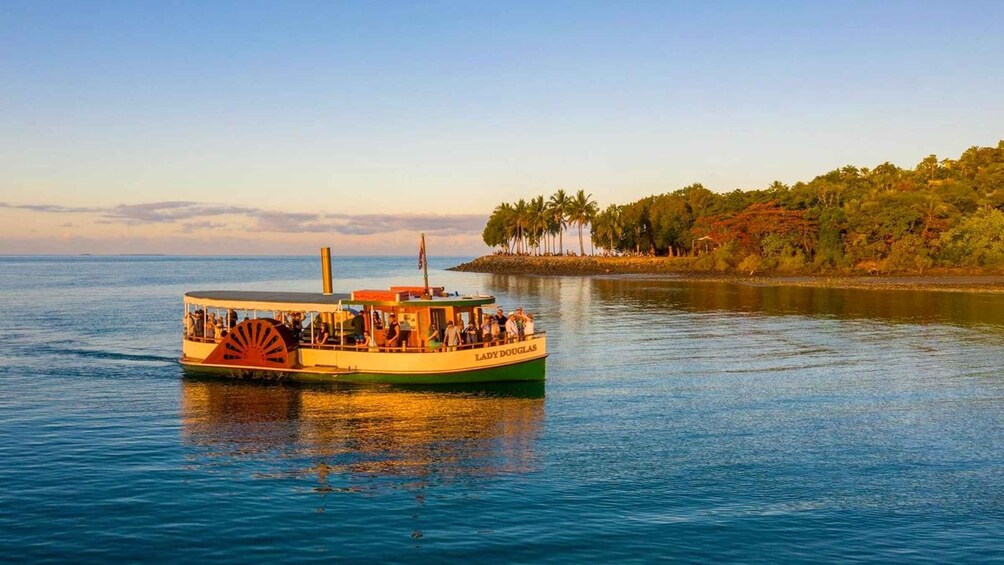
687,421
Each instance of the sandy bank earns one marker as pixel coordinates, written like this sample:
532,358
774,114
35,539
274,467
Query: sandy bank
681,269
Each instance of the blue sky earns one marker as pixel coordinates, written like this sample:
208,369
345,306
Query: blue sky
415,111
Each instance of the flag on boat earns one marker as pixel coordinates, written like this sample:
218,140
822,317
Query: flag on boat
421,253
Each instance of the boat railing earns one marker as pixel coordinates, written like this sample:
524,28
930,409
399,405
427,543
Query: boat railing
418,349
201,339
399,349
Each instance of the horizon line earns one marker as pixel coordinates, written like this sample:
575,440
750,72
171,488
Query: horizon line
210,255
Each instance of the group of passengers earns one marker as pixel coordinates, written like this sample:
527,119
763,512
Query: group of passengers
210,326
496,329
321,332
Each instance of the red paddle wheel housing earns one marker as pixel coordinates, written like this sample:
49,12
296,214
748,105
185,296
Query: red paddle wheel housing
257,343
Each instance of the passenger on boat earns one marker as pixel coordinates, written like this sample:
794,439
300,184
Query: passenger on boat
452,337
496,330
393,331
189,324
321,333
200,320
377,321
511,329
296,325
370,342
218,332
486,330
358,325
500,317
433,338
528,326
404,331
520,322
210,327
231,318
471,333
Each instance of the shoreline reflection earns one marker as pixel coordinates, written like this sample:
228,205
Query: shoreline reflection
643,293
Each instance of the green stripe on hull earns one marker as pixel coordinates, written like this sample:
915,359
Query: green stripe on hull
525,371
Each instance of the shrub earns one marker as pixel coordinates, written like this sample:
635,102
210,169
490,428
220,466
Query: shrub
976,241
792,263
909,254
750,264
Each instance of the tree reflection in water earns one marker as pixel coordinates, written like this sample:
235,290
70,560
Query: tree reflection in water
567,302
337,433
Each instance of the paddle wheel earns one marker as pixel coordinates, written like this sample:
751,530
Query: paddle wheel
257,343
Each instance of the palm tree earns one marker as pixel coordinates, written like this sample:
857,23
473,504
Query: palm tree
520,219
536,213
558,205
552,230
582,210
933,209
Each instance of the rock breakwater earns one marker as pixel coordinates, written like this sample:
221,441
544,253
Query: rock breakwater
684,268
572,265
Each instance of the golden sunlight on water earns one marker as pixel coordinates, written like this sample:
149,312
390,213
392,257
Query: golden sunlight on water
366,431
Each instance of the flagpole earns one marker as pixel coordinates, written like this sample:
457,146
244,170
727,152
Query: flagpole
425,266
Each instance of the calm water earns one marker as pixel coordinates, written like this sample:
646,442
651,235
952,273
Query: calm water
688,421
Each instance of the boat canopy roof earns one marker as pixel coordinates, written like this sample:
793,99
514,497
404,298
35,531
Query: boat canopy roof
318,302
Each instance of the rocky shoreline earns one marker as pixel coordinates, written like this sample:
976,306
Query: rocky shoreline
681,268
569,265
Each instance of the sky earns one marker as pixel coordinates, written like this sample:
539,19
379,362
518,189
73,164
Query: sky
279,127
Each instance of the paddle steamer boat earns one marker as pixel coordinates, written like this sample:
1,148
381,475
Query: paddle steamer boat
279,335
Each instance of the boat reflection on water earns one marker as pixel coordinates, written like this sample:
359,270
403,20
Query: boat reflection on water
331,433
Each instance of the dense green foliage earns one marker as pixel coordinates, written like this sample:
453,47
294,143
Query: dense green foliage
943,212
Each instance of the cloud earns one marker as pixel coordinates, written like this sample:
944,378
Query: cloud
52,208
189,227
190,216
288,222
368,224
160,212
439,223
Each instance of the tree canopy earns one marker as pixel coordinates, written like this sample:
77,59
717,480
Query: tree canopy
943,212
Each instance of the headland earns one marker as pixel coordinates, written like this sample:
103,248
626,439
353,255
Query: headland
685,269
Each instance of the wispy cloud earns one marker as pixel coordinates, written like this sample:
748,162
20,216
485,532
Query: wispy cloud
52,208
194,216
368,224
157,212
189,227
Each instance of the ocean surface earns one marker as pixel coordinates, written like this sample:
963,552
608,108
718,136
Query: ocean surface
700,422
